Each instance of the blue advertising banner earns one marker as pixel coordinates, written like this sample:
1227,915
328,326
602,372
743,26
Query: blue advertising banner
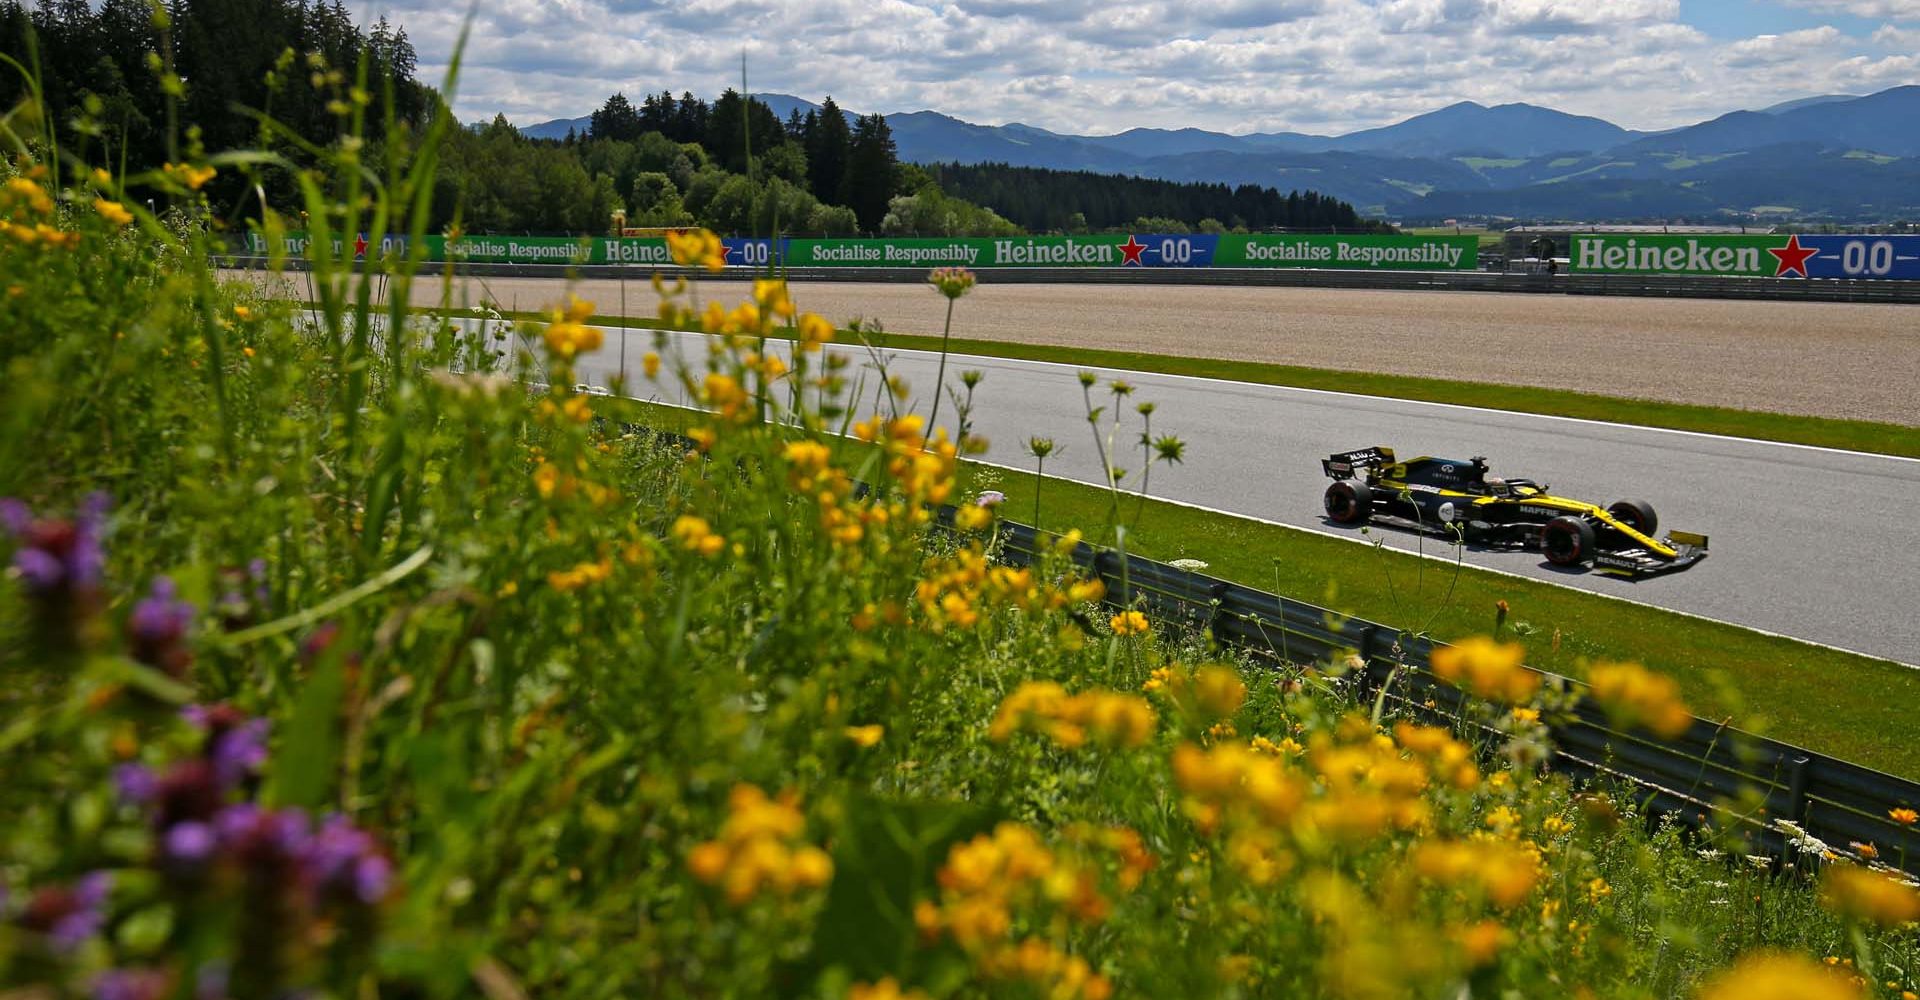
1893,257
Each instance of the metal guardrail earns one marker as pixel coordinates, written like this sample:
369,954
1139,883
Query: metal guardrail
1757,780
1782,289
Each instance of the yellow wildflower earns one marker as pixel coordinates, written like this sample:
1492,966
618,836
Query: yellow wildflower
1045,707
697,248
771,294
1489,669
188,174
1905,817
1778,976
886,989
972,517
1860,894
814,331
581,575
696,535
650,364
1129,623
1503,872
865,736
758,848
1635,696
1218,690
1481,942
115,213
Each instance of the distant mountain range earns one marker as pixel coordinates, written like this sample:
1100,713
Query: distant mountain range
1839,157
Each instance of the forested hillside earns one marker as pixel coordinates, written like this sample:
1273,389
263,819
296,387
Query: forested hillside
730,164
1077,200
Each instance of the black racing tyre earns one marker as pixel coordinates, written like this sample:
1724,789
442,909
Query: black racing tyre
1635,514
1567,541
1349,502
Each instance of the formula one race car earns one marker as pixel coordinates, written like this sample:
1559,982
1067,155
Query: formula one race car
1459,500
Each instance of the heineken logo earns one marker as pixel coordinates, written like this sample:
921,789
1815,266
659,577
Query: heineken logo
1690,255
1068,251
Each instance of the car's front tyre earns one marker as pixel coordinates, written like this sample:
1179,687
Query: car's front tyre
1349,502
1567,541
1635,514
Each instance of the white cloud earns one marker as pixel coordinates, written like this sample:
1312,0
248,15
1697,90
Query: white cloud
1773,50
1096,66
1896,9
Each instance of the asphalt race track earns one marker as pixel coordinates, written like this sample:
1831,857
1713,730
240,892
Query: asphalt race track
1810,543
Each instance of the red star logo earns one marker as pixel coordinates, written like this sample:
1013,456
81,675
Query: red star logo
726,253
1131,248
360,245
1793,257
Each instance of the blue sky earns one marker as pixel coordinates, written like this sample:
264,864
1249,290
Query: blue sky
1095,66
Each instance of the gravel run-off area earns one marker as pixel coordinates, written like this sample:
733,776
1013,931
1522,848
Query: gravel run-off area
1859,361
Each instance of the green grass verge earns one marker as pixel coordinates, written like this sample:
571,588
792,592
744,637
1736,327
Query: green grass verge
1825,432
1841,704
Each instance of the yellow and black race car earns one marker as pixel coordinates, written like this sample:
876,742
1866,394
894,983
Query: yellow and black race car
1457,499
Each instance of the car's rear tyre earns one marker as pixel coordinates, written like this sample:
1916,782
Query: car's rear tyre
1567,541
1635,514
1349,502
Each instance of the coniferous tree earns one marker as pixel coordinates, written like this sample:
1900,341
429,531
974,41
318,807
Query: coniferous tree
827,152
690,119
871,164
616,120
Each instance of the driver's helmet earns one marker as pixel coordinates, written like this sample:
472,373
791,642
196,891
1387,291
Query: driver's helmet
1495,484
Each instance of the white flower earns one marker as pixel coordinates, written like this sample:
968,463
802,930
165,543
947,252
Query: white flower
1190,565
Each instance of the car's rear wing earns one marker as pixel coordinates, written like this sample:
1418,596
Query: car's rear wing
1346,463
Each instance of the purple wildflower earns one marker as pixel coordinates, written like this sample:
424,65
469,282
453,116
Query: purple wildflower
239,753
68,916
158,629
136,784
236,745
15,515
131,984
57,557
190,843
345,861
265,839
990,498
42,570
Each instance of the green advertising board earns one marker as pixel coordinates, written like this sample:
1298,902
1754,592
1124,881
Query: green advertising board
1396,253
